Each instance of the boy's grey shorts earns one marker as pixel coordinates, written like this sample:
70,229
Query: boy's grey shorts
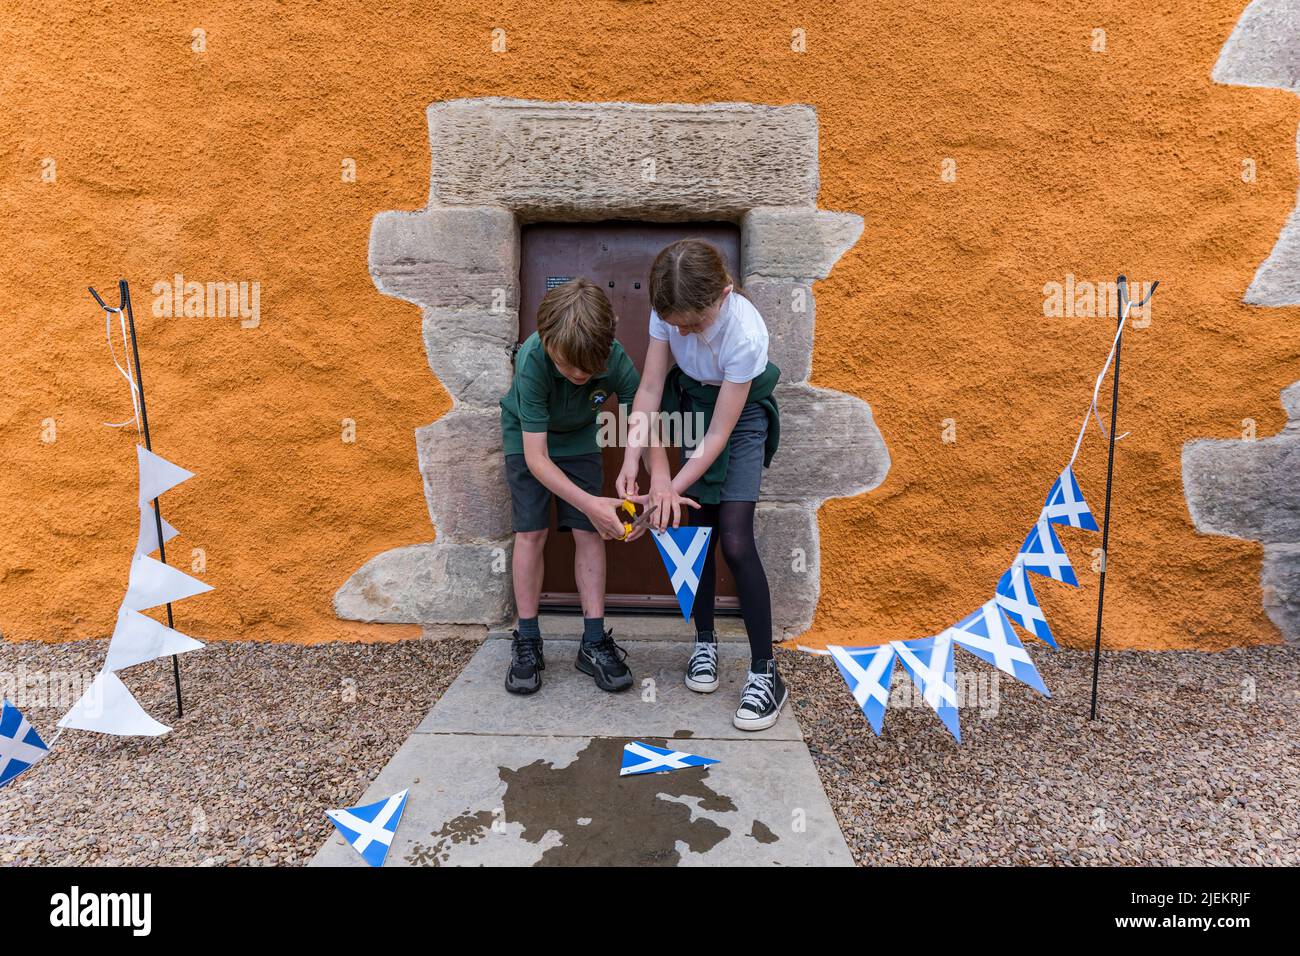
530,500
745,454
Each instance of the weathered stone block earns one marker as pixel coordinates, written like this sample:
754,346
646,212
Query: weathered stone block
1264,48
584,161
1277,280
448,258
788,311
1247,489
470,353
432,583
464,476
789,242
830,447
790,547
1280,580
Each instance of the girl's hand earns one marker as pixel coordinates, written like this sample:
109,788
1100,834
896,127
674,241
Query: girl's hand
625,483
669,505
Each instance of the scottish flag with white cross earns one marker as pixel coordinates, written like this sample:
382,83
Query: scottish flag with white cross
1042,553
989,636
929,661
868,672
20,745
370,829
1065,504
684,551
1016,597
643,758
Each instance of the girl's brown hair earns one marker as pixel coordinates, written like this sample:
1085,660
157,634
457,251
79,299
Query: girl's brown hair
688,276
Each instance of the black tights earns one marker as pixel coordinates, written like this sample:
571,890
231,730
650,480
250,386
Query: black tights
733,523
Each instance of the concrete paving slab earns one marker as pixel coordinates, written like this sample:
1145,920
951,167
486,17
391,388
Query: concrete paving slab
505,800
569,703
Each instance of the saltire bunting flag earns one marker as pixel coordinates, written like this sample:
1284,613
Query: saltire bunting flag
138,638
20,745
929,662
153,583
1065,504
988,635
868,672
370,829
643,758
684,551
1016,597
1042,553
107,707
146,542
157,474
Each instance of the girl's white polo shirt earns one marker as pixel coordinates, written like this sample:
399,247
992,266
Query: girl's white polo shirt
732,349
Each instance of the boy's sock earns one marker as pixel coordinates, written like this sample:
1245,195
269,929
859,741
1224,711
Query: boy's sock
528,627
593,630
705,637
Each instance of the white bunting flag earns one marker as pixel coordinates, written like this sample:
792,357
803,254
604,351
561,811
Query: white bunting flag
146,542
107,707
153,583
157,474
138,638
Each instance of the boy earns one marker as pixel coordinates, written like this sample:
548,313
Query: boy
564,374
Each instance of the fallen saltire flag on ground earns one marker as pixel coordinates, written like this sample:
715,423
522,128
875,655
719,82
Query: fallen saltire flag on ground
642,758
370,829
20,745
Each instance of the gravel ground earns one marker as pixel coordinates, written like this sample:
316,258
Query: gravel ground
273,735
1193,760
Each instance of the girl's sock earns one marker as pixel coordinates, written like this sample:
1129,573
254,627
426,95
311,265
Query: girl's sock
528,627
593,630
705,637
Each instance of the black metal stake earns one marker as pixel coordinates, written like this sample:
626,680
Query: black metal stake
1121,284
124,300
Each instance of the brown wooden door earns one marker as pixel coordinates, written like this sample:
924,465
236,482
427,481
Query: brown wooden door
616,256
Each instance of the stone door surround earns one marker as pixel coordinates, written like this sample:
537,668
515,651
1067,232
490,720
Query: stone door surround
498,163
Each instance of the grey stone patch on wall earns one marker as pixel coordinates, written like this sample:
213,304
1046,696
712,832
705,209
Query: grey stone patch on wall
789,545
497,163
429,583
463,465
1264,47
830,447
589,161
1280,581
447,258
788,310
795,242
1251,489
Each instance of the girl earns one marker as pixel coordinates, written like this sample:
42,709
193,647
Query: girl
700,321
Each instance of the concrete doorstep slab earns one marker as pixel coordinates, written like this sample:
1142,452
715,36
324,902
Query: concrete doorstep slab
502,780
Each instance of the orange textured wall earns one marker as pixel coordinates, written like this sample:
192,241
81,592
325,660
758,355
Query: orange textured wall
225,166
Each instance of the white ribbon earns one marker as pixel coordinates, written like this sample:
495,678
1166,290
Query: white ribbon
126,373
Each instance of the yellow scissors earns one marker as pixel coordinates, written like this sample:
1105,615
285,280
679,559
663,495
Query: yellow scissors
636,523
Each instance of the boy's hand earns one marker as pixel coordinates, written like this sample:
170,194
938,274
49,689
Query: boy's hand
625,483
607,518
668,503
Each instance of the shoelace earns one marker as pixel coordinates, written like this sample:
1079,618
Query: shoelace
526,650
608,649
705,658
758,692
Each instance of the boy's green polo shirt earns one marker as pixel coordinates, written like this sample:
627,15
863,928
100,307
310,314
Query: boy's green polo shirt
542,400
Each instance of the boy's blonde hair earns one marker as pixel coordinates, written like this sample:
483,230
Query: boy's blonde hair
576,325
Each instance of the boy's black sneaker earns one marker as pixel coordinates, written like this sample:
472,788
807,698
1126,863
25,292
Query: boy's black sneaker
603,660
526,665
761,700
